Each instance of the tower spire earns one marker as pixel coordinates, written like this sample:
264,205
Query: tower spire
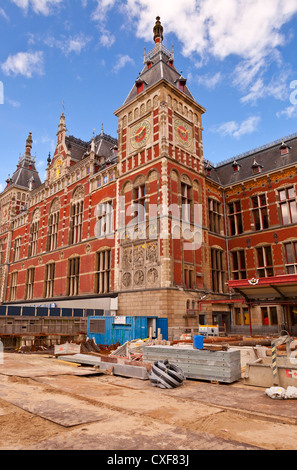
158,31
29,143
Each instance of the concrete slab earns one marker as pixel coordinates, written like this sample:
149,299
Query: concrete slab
30,366
55,407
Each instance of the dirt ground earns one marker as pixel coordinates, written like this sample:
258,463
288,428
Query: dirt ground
49,405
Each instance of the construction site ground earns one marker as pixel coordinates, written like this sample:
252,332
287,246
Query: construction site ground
50,405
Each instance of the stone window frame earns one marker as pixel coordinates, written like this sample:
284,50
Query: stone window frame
218,271
259,212
103,271
13,286
73,276
287,202
17,249
235,218
293,244
53,225
49,280
262,264
30,280
214,215
34,231
241,271
76,216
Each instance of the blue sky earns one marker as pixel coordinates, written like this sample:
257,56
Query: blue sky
239,57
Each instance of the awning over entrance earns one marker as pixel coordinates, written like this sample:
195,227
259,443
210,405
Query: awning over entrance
278,289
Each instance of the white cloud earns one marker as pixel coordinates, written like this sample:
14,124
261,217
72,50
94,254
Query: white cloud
277,88
3,14
236,130
13,103
289,112
100,16
209,81
122,61
249,31
40,7
67,45
24,63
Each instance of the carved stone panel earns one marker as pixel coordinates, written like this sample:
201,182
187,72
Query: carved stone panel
139,265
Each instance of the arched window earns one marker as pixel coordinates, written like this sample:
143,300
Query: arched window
34,229
76,215
186,200
53,225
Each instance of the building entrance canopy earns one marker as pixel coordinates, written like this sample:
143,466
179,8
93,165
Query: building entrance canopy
277,289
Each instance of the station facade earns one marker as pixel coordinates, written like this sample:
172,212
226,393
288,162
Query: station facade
144,225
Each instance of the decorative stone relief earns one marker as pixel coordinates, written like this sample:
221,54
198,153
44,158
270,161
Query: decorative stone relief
152,276
139,264
138,255
126,279
139,278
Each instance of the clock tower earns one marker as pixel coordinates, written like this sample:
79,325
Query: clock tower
161,180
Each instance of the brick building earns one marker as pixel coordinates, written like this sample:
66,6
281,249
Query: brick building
144,225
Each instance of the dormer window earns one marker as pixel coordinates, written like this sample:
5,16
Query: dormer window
149,64
170,63
139,86
256,167
208,169
182,81
235,166
284,148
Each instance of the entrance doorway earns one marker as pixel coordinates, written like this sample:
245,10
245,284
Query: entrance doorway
223,320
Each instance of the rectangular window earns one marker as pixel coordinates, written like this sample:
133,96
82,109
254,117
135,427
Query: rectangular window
214,213
13,286
139,204
238,316
238,265
265,316
49,280
217,271
33,239
76,219
186,201
269,316
102,272
73,277
104,224
1,252
53,229
260,212
273,316
189,277
30,283
265,263
288,206
17,249
235,218
291,257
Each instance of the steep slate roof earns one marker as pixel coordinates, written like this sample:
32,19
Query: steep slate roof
159,70
24,172
26,169
104,147
268,157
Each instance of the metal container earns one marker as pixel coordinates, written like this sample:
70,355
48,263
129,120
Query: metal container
260,373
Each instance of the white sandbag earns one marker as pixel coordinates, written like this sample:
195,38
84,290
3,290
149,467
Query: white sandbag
277,393
291,393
